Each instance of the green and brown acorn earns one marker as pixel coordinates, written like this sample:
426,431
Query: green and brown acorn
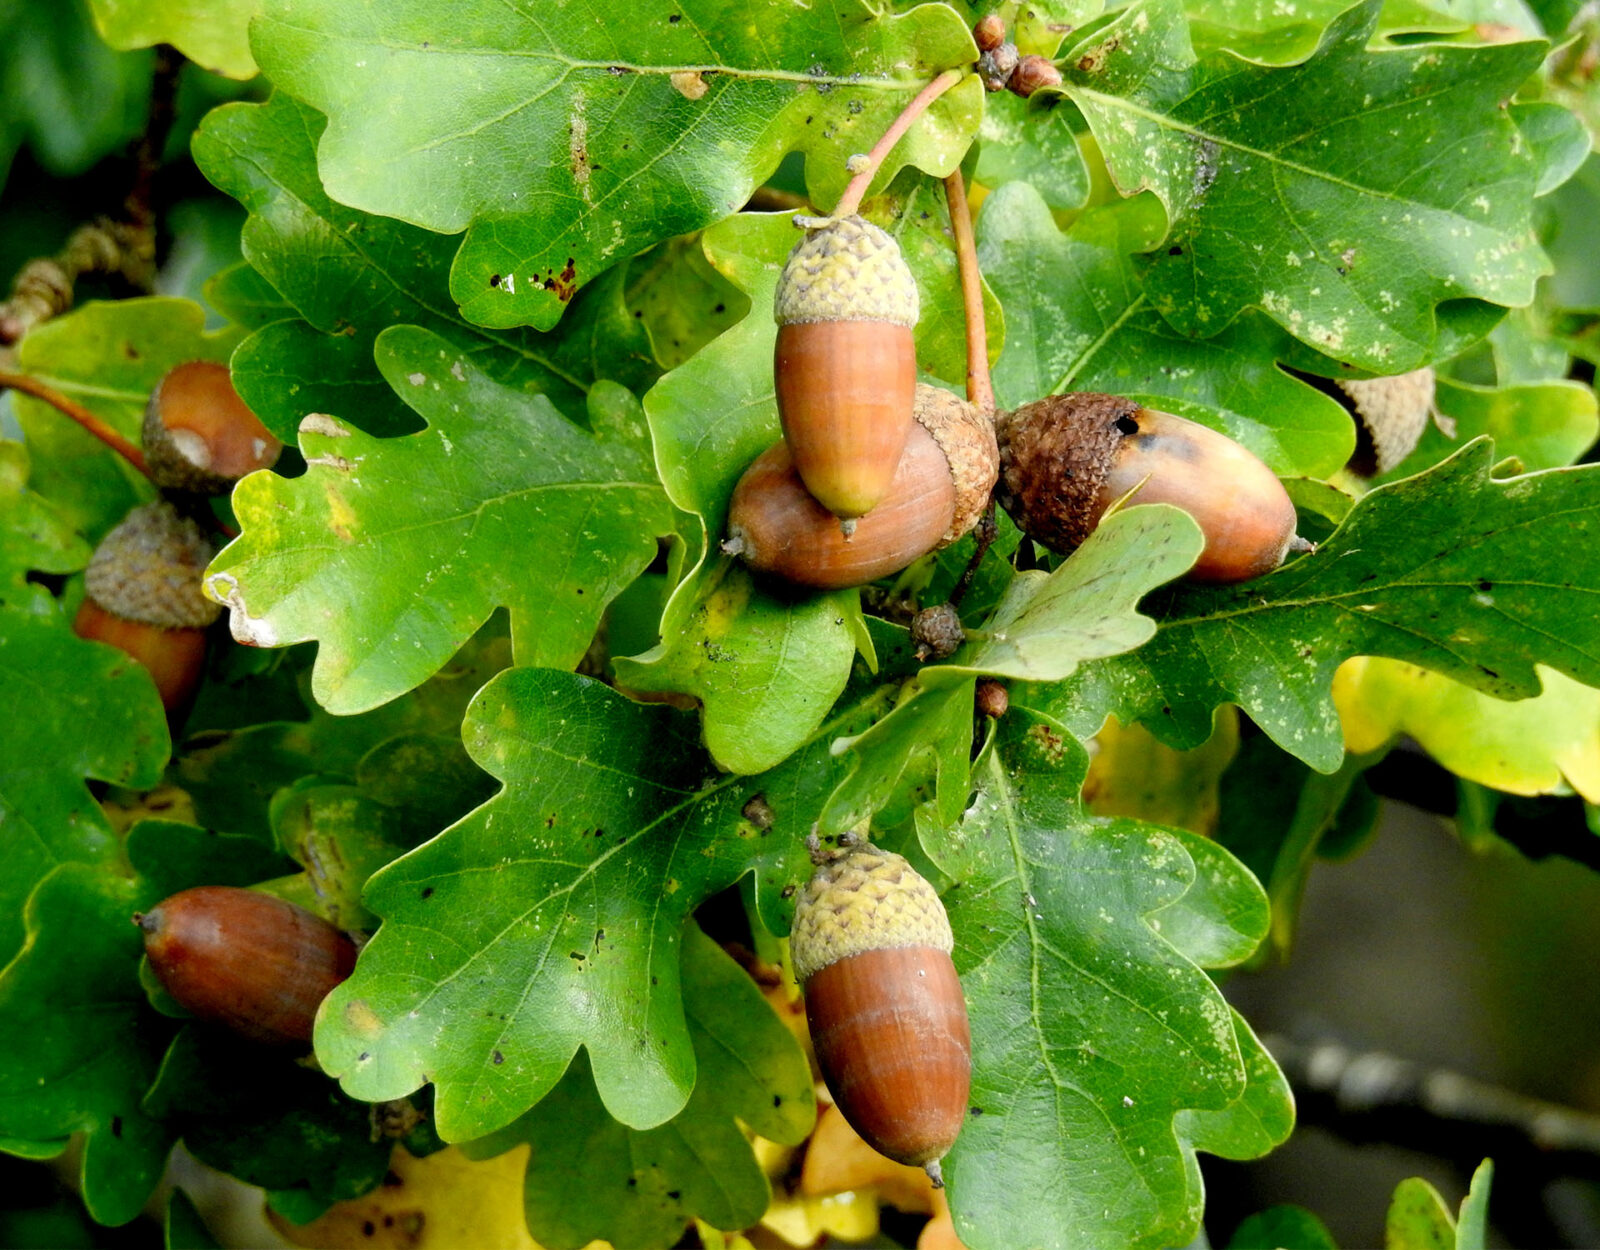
143,597
871,949
1066,459
845,365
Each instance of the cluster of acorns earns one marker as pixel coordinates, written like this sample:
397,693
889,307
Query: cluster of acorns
876,469
143,582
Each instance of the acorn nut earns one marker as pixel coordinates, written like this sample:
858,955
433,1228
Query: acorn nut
143,597
845,364
198,434
252,962
871,949
1065,459
1033,73
937,494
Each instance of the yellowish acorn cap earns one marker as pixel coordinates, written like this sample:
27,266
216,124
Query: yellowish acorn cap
148,570
846,270
864,900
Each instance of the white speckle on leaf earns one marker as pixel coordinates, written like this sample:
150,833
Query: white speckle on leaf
416,379
457,372
320,423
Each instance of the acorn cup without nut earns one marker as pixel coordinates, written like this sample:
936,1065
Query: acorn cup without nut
199,436
143,597
871,949
845,365
937,494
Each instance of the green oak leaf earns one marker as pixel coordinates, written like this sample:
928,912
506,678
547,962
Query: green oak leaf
351,275
340,837
765,670
108,357
1418,1218
681,299
212,33
1043,628
241,294
84,1045
643,1187
391,552
1080,321
1440,570
1545,425
568,142
1472,1230
92,712
1267,34
1097,1040
1032,141
52,54
1282,1226
549,919
1325,215
269,1121
34,536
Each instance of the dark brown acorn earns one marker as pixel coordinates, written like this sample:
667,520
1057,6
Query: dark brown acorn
198,434
937,494
845,365
989,33
871,949
255,963
143,597
1065,459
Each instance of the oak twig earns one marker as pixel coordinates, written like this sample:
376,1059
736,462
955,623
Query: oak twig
865,168
32,386
980,389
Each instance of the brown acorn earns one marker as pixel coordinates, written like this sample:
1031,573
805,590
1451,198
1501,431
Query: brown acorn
989,33
198,434
1065,459
871,949
937,494
143,597
255,963
845,366
1032,73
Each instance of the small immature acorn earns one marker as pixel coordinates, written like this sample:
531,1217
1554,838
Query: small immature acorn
845,364
255,963
198,434
1065,459
871,949
937,494
990,32
143,597
1032,73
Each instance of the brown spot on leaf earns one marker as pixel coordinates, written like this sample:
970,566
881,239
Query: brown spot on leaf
689,84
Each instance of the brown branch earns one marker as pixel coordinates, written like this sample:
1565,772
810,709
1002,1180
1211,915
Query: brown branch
866,167
980,390
31,386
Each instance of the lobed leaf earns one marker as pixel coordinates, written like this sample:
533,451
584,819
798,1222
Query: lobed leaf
212,33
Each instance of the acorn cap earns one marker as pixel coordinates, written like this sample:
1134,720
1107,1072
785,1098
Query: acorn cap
864,900
1394,411
148,570
846,270
1055,454
966,436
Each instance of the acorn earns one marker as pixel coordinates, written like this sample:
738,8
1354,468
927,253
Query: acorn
1065,459
254,963
198,434
937,494
989,32
143,597
845,365
871,949
1033,73
1392,412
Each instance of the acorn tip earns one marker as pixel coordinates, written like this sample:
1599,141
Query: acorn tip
935,1173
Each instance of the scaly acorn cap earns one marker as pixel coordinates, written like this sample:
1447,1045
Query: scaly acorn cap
864,900
846,270
148,570
1395,412
1055,454
966,436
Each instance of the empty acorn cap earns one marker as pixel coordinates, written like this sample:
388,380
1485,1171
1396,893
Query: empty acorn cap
148,570
966,436
846,270
864,900
1394,410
